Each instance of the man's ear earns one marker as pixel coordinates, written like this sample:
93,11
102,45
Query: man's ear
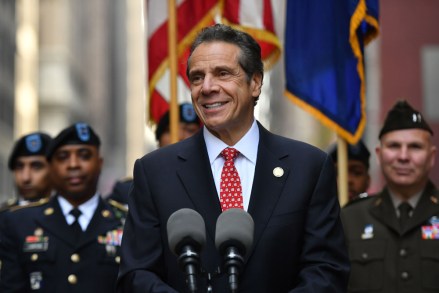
256,84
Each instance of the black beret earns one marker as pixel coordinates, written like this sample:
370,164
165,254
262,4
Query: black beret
187,115
403,116
78,133
33,144
357,152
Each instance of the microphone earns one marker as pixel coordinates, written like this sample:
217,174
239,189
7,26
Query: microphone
186,238
233,239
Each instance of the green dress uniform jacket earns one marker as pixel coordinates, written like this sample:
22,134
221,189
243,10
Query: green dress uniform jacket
386,258
41,254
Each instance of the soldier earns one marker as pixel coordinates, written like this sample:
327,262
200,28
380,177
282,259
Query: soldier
358,169
393,237
70,243
29,165
120,190
189,125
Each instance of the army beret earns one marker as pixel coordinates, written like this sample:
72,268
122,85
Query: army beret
187,115
33,144
403,116
78,133
357,152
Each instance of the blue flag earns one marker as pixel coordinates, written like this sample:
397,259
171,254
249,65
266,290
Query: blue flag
324,60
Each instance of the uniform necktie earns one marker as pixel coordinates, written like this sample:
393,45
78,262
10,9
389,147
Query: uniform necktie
404,214
76,228
230,186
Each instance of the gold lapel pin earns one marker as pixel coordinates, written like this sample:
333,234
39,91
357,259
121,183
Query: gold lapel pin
433,199
106,213
278,172
378,202
38,232
48,211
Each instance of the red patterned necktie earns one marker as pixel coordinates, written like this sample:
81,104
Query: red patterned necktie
230,187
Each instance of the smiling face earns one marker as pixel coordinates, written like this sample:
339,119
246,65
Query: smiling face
222,95
406,158
75,172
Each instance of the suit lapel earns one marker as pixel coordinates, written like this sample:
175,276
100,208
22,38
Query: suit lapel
382,209
103,221
426,208
199,183
54,221
267,187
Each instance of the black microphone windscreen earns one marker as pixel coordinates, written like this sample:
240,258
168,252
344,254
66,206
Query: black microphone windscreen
234,227
185,227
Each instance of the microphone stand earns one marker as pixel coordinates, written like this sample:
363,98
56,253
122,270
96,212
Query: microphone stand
209,288
189,261
233,263
209,278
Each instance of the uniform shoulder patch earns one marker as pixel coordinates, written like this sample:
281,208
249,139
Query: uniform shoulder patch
30,204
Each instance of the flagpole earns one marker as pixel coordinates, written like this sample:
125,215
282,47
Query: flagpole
172,49
342,169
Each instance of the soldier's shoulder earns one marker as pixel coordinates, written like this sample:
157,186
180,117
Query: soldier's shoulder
8,204
361,200
39,203
434,194
118,205
120,210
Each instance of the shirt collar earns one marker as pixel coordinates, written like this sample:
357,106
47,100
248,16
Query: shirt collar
413,201
247,145
87,208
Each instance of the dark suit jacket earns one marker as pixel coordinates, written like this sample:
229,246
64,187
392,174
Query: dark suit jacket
298,239
40,253
386,258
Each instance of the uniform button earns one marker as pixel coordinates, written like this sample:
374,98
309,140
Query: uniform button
364,255
403,252
404,275
75,257
72,279
34,257
117,259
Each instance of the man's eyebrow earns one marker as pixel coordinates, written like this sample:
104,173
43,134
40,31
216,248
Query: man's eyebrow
195,71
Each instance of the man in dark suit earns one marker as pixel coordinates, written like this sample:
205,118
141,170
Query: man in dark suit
393,236
288,187
69,243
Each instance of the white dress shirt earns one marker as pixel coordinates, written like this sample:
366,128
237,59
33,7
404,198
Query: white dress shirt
245,162
87,209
